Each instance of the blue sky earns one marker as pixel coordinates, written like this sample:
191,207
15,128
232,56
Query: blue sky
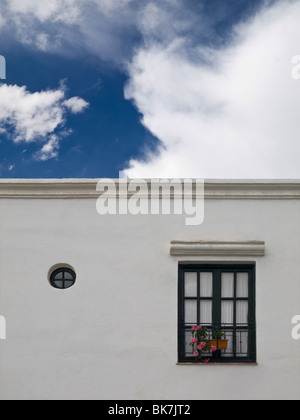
162,88
102,138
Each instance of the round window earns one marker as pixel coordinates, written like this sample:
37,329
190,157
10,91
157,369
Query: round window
63,278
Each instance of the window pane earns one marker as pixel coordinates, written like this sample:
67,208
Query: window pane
68,283
206,284
188,347
190,311
242,343
68,276
59,275
242,312
242,285
227,284
227,312
205,312
229,351
59,284
190,284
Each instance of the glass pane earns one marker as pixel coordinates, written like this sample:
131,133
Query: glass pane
58,276
59,284
68,276
227,285
188,347
68,283
206,284
242,312
190,284
229,351
242,285
242,343
190,311
205,312
227,312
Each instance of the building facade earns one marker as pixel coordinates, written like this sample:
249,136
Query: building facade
102,306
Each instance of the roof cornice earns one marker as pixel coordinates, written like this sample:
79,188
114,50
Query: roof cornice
86,188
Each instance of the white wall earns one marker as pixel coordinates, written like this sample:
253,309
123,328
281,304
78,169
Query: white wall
114,334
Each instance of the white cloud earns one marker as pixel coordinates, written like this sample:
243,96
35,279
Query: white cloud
2,21
33,115
76,105
109,6
237,116
57,10
42,41
49,150
102,27
224,112
106,28
36,117
40,23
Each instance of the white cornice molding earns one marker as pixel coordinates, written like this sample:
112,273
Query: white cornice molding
86,188
218,248
253,189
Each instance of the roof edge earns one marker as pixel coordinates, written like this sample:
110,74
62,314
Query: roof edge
87,188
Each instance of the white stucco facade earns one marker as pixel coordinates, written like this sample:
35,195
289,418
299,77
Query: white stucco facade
113,335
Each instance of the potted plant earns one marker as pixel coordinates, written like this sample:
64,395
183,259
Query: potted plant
202,344
219,339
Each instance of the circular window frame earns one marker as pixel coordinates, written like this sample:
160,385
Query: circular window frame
63,268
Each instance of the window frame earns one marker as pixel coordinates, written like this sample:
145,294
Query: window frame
63,270
217,269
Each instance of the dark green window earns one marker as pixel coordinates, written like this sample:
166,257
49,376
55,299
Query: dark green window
218,297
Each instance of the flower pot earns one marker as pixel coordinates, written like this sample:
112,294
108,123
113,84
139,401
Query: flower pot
220,344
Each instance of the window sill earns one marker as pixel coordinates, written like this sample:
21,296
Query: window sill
218,363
